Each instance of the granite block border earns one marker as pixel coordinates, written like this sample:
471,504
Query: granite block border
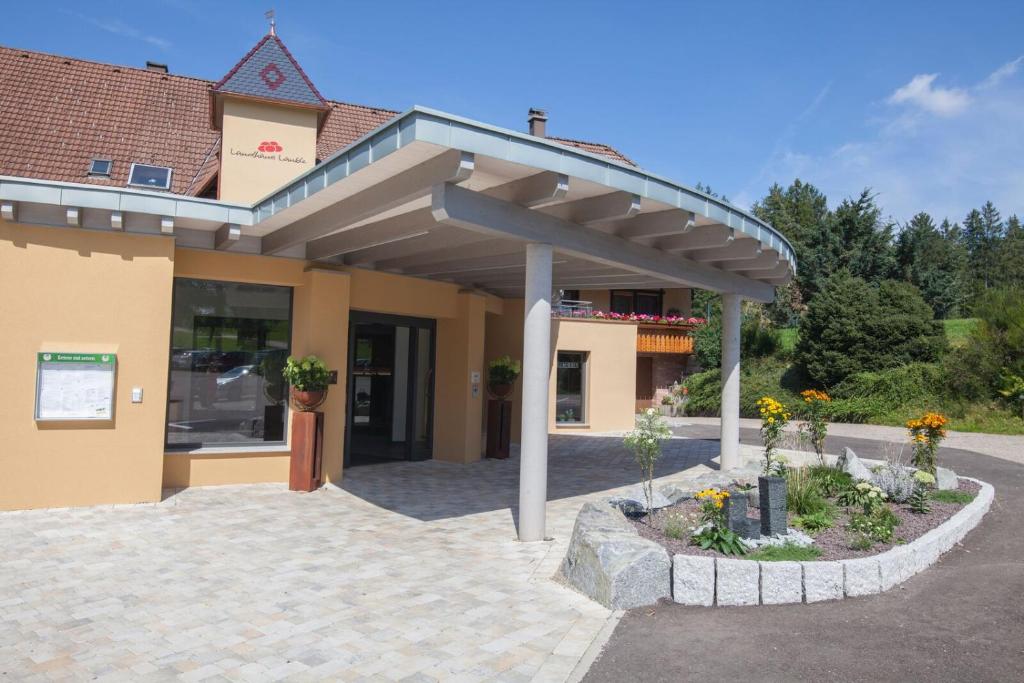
727,582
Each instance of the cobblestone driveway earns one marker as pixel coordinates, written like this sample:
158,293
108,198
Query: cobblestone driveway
409,572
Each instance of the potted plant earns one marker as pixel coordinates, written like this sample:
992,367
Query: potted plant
502,374
308,378
667,405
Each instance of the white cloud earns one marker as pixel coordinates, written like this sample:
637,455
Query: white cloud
934,149
921,92
119,28
1007,70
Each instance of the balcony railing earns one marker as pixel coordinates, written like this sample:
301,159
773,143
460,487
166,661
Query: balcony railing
570,308
662,339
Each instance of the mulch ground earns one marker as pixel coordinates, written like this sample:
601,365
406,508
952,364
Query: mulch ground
833,542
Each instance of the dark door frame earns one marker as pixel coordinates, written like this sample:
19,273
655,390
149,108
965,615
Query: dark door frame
369,318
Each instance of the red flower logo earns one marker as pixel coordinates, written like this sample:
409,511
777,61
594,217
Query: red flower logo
270,146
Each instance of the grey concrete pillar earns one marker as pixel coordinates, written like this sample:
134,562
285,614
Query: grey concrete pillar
730,440
533,463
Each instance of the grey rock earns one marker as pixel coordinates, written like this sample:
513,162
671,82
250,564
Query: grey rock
719,480
633,502
852,465
675,493
945,479
693,580
611,564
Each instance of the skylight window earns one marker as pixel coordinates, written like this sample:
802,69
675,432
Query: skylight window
100,167
153,177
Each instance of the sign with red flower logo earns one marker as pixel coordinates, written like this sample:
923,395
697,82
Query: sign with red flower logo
270,146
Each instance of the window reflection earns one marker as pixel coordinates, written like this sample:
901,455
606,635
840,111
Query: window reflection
229,342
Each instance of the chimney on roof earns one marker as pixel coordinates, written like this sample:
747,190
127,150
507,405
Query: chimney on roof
154,66
538,122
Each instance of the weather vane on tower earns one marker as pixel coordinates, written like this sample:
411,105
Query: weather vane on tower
269,14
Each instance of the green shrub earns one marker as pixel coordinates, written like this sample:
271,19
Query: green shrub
720,539
919,500
853,327
830,480
815,521
867,497
878,525
859,541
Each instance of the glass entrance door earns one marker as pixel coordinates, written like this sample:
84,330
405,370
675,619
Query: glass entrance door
390,393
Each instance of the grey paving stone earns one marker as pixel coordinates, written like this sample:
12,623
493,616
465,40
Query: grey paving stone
861,577
737,582
781,583
823,581
693,580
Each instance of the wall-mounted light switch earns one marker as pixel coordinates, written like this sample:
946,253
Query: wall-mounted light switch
136,394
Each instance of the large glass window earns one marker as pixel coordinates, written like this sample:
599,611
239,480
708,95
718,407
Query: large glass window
569,395
643,302
229,343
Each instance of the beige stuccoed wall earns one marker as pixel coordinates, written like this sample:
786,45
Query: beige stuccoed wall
504,337
79,290
319,326
610,394
611,371
458,405
246,124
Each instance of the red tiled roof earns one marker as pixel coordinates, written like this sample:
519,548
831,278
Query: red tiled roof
57,113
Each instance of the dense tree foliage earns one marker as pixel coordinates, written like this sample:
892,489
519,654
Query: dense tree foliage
935,263
853,326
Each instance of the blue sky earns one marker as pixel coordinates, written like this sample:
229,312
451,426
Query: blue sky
922,101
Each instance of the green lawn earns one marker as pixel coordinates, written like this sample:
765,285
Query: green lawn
958,329
788,337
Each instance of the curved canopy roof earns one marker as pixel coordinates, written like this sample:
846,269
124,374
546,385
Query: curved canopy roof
430,194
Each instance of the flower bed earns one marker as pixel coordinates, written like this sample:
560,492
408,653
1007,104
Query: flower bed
683,519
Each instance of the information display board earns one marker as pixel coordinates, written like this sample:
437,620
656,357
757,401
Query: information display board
75,386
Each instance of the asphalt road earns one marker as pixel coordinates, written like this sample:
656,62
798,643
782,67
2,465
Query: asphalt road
960,620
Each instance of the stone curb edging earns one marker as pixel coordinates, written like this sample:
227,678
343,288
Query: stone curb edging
707,581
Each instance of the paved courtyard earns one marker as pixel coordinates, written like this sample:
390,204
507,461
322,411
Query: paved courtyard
410,571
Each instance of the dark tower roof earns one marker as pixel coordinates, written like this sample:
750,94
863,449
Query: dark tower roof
269,72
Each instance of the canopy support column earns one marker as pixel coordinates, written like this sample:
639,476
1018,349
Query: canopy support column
533,462
730,437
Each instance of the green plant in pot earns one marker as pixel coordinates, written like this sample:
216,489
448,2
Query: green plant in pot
308,378
502,374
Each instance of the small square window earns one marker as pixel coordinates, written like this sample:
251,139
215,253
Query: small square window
100,167
153,177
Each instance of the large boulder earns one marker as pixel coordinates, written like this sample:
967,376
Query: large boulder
609,562
945,479
676,493
852,465
633,502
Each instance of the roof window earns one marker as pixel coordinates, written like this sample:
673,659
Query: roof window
153,177
100,167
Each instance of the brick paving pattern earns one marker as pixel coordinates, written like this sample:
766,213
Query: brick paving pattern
410,571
